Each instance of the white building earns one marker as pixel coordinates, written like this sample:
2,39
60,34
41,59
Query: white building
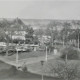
17,34
20,32
3,44
44,38
18,37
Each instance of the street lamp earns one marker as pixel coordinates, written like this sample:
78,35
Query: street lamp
63,40
42,63
17,56
78,41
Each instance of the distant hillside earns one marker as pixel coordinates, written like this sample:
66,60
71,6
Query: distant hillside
43,23
39,23
36,23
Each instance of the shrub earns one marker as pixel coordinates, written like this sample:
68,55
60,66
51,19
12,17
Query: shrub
71,53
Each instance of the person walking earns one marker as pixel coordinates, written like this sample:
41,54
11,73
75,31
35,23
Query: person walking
24,67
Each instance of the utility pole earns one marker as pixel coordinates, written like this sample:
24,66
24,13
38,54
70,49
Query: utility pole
66,59
66,76
78,41
17,44
17,54
63,40
52,36
46,53
78,37
17,57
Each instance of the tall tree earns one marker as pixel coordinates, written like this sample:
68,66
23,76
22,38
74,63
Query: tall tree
64,31
52,30
29,35
77,31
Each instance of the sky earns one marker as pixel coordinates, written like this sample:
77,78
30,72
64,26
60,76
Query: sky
40,9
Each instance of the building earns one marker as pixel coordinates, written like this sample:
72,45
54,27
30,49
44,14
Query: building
21,37
16,34
3,44
44,39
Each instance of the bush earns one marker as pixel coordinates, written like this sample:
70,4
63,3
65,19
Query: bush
51,48
71,54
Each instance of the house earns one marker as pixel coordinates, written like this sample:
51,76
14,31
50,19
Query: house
21,37
3,44
17,34
44,39
20,32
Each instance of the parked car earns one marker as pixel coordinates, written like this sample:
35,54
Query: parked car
23,48
2,49
11,49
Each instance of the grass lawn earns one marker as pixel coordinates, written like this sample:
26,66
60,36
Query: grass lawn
6,73
37,67
25,55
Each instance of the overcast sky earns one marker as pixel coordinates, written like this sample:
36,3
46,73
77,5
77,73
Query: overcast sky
40,9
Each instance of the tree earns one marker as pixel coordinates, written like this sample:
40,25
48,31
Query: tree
65,70
29,35
4,23
72,54
76,34
35,40
39,32
4,38
30,31
52,31
64,32
2,34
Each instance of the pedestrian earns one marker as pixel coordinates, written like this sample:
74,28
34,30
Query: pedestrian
24,67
